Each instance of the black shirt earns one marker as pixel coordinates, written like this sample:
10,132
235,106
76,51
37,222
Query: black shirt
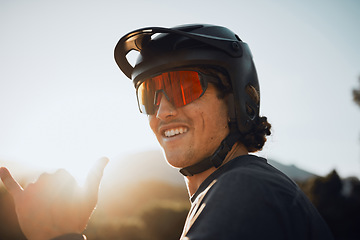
249,199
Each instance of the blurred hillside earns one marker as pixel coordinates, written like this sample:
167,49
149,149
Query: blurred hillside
295,173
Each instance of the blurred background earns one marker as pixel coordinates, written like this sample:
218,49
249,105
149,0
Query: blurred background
64,103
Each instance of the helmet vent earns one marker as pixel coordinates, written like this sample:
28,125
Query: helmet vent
237,37
253,93
132,56
250,112
251,107
153,36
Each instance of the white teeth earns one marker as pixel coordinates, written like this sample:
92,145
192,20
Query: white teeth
175,131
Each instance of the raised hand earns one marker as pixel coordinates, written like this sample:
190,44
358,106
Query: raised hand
54,205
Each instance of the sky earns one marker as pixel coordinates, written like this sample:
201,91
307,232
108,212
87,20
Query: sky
64,103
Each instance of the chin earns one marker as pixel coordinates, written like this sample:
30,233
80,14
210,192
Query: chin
175,160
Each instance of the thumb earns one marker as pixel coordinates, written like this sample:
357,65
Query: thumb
10,183
94,177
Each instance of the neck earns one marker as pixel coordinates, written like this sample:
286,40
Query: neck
194,182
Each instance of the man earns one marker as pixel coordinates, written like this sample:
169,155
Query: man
199,87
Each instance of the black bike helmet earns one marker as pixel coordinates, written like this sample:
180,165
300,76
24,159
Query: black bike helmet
162,49
193,45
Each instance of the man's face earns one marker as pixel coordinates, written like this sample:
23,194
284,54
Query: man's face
190,133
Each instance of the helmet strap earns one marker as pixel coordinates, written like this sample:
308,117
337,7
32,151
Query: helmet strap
216,159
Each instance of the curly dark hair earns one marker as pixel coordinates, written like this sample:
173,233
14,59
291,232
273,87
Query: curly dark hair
255,139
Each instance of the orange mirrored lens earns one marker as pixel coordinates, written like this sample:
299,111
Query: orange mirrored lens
179,87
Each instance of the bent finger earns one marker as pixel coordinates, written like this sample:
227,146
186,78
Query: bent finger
10,183
94,177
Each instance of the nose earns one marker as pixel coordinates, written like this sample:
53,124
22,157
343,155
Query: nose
165,109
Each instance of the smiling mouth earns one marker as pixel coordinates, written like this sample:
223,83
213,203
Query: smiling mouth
175,131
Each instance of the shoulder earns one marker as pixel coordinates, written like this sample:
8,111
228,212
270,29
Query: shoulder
251,183
251,175
249,186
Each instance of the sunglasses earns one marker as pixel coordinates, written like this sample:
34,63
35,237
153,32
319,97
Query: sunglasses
179,87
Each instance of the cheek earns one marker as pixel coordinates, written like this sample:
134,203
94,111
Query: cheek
218,116
214,125
220,121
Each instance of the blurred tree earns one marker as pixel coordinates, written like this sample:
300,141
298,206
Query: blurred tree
338,201
356,94
164,221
